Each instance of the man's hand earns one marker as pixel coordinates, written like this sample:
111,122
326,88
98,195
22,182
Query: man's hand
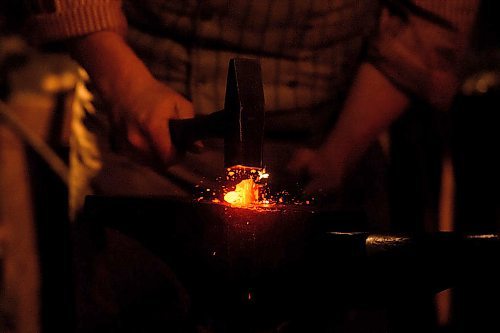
143,121
322,172
141,106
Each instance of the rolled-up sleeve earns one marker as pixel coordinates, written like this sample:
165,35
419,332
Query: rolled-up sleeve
55,20
420,45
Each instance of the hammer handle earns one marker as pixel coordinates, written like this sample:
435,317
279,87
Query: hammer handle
184,132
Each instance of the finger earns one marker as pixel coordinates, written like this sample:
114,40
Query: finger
197,147
137,140
136,147
159,139
184,109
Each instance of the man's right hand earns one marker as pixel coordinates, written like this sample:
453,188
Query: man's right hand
143,121
141,106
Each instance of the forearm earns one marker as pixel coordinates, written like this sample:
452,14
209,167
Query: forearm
112,65
141,106
416,54
372,105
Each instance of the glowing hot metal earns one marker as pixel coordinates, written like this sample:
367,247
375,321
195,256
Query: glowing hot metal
245,193
249,190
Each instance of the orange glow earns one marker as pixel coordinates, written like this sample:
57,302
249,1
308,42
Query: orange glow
252,190
245,193
250,185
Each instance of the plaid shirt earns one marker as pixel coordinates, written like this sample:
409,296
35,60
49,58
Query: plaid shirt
309,50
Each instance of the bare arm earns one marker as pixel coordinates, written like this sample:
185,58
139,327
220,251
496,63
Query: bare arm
416,54
138,102
372,105
140,105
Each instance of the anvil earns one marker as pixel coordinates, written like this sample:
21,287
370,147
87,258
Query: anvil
240,123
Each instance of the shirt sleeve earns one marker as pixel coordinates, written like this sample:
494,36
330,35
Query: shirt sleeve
55,20
420,45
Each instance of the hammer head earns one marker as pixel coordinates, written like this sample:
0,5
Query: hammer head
244,109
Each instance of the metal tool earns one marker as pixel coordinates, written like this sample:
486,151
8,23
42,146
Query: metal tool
241,123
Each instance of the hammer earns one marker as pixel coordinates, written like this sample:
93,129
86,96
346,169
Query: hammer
240,123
